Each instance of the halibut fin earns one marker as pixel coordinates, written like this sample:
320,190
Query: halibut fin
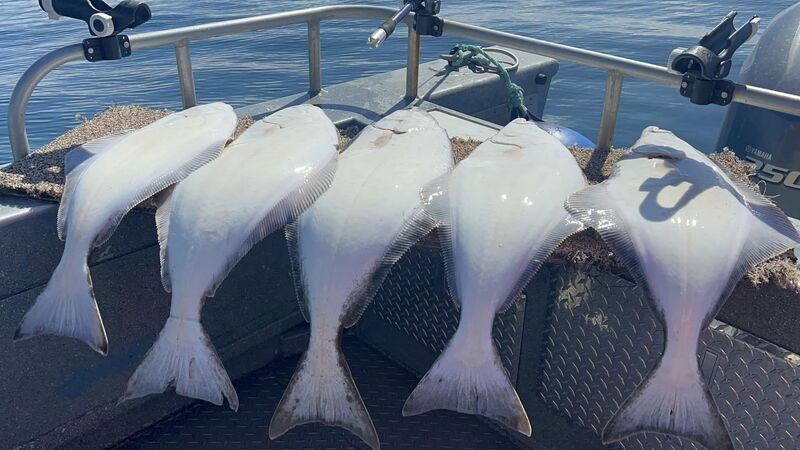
436,200
75,162
297,271
66,307
418,226
155,187
184,356
772,235
164,200
482,390
658,405
285,212
590,207
558,234
323,393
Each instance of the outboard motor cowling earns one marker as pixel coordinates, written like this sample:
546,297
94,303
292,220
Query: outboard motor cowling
771,140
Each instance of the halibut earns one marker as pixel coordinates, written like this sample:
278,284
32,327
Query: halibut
263,180
343,247
105,179
687,233
502,214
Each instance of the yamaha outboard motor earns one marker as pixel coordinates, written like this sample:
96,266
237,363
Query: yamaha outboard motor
771,140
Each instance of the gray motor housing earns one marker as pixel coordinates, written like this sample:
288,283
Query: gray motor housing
771,140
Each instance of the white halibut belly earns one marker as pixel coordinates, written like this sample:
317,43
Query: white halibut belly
344,235
264,179
217,209
504,204
688,257
341,249
687,233
116,178
501,214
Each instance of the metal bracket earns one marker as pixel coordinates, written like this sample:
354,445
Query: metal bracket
105,24
428,25
705,65
701,91
107,48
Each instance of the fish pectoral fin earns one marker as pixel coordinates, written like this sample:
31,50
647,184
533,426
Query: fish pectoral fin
662,405
183,355
323,393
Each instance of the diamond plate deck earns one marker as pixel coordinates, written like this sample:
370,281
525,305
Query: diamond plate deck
602,338
595,340
383,385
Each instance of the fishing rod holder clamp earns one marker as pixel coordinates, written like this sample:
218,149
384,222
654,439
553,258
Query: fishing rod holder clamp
105,24
426,21
705,65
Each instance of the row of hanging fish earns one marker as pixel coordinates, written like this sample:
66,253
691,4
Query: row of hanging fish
684,229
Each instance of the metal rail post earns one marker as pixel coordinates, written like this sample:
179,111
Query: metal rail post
314,58
608,121
185,74
412,64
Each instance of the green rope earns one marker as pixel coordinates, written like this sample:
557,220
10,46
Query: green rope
479,57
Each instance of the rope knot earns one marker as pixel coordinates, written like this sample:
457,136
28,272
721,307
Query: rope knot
465,54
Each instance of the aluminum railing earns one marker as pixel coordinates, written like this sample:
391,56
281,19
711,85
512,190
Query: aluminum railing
618,68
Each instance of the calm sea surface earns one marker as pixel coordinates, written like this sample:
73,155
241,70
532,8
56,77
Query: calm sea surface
249,68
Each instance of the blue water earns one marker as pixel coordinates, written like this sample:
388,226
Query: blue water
249,68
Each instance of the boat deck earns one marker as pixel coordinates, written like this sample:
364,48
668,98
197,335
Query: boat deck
383,384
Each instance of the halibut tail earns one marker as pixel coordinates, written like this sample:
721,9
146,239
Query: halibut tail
459,382
323,391
66,307
680,406
183,355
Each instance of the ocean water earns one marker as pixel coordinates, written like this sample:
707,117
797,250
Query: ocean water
249,68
